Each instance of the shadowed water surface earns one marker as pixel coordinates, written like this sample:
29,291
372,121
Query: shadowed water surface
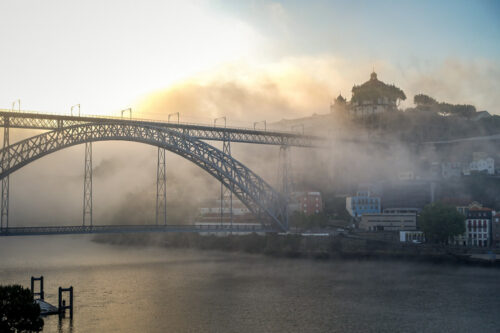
134,289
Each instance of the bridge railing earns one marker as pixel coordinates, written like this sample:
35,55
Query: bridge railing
85,118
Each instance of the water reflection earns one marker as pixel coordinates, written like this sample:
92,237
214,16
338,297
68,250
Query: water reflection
120,289
64,325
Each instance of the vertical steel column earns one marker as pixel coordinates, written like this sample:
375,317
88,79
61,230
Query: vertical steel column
4,218
285,179
161,188
226,194
87,186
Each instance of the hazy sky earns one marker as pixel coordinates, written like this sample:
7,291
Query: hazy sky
108,55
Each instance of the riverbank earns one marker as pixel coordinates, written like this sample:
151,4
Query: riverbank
298,246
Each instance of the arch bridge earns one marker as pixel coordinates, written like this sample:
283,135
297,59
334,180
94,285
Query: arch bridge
182,139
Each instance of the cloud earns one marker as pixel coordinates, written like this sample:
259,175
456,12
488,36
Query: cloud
300,86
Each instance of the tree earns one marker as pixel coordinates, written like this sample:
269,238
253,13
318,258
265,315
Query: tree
439,222
423,100
18,310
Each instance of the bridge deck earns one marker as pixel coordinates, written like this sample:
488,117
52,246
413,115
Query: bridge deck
121,229
41,121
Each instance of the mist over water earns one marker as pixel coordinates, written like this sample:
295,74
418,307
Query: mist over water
150,289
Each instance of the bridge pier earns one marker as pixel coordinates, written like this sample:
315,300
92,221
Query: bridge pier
87,186
161,188
285,180
226,194
4,216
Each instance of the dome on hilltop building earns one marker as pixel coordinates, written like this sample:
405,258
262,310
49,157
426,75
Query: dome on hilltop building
375,91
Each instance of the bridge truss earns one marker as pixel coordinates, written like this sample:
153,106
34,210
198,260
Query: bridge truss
248,187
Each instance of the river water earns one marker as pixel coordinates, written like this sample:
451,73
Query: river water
151,289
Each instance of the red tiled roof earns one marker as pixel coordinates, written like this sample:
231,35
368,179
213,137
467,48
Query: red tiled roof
477,209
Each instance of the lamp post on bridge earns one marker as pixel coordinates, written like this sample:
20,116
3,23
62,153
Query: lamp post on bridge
129,110
260,122
74,106
18,101
220,118
174,114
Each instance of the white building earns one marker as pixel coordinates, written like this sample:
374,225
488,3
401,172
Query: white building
481,162
477,228
388,222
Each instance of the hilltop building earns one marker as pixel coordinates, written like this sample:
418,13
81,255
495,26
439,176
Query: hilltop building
374,97
371,97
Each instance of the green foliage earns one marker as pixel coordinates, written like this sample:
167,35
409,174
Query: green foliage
464,110
422,99
428,103
439,222
18,311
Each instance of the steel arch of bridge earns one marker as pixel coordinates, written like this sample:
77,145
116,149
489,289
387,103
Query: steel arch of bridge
247,186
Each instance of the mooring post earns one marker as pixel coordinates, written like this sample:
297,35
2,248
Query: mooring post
71,302
42,297
41,293
59,301
62,303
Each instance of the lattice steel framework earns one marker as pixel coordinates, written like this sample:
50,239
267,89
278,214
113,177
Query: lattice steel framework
226,193
285,179
161,188
4,218
247,186
51,122
87,186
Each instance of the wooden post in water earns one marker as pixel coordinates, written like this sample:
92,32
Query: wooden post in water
40,294
62,303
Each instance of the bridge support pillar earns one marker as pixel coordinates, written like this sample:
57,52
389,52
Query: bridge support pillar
226,194
4,218
285,180
87,186
161,188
